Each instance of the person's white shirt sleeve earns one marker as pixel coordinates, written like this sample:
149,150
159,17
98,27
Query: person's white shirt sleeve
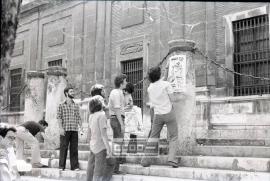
169,88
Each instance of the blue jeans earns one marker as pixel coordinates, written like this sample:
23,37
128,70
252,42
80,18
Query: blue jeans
159,120
99,167
116,127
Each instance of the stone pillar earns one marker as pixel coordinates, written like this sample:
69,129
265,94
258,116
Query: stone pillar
185,109
55,95
34,97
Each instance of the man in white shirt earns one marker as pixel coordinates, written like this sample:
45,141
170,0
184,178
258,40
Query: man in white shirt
161,96
117,112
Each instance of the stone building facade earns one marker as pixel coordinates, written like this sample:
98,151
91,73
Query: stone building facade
96,40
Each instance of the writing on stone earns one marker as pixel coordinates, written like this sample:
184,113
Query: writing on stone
131,48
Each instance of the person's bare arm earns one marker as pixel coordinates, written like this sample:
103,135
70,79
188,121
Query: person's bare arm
119,117
45,137
103,131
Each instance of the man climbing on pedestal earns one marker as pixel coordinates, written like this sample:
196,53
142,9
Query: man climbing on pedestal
161,96
26,132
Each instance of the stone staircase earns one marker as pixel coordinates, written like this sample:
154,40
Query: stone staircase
214,163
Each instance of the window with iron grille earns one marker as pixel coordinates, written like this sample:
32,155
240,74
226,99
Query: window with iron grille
15,87
134,71
251,55
55,63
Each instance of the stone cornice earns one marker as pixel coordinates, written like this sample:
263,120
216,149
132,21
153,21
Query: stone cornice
34,74
181,45
57,71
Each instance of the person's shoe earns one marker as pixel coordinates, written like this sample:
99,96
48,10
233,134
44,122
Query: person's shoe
39,165
76,169
118,173
145,163
61,169
173,164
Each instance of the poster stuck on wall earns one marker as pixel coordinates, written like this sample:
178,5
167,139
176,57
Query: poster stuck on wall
177,72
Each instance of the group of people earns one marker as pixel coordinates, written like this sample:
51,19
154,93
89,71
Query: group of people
102,163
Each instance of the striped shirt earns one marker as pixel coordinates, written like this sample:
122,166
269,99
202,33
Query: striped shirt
69,116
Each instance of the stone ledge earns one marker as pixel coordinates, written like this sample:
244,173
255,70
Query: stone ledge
33,5
181,45
233,99
57,71
35,74
12,113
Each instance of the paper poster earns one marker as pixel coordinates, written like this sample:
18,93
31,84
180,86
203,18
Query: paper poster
177,72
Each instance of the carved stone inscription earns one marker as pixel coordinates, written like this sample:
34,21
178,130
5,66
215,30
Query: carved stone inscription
131,48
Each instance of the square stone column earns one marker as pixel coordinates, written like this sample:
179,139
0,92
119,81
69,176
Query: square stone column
34,97
55,95
185,109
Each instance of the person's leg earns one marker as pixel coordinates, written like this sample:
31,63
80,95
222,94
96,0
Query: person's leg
100,166
90,167
153,139
173,136
5,174
19,144
110,164
73,150
152,116
25,136
64,141
132,145
116,127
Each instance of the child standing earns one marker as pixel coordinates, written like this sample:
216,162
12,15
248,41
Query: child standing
98,166
133,122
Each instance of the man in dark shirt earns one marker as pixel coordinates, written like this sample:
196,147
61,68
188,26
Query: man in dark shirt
26,132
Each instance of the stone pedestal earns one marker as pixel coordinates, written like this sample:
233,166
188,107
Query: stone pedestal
185,109
34,97
55,95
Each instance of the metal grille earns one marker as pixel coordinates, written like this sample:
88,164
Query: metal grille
134,71
15,86
251,55
55,63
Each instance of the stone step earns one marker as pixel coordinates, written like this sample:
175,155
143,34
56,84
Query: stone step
83,155
52,174
228,163
195,173
233,151
81,146
39,178
159,173
214,162
232,142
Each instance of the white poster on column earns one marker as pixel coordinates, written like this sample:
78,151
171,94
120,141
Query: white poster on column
177,72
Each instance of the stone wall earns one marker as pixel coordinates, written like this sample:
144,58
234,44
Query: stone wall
90,38
233,118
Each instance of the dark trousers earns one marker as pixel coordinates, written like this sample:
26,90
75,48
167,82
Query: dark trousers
116,127
71,137
99,167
